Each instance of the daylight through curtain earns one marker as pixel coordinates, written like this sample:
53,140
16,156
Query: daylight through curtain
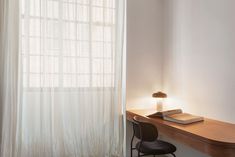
69,102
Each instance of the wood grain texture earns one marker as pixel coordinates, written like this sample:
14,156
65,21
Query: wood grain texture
212,137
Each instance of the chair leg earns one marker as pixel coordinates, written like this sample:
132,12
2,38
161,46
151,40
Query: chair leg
132,142
138,153
173,154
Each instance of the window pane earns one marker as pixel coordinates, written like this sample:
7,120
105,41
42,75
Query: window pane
83,49
83,1
83,66
50,80
110,3
68,11
53,9
100,33
34,64
97,14
34,45
52,29
108,34
83,32
108,81
69,65
52,44
22,6
102,66
24,46
98,49
69,31
98,2
34,80
55,45
69,80
77,1
82,13
51,52
97,66
102,80
97,33
109,16
83,80
35,7
50,64
69,1
108,66
97,80
108,50
69,48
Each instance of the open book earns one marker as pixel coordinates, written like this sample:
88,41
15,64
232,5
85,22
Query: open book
177,116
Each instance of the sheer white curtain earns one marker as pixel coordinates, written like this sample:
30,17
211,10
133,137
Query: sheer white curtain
9,54
70,80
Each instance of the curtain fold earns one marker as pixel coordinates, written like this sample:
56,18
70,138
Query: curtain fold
61,86
9,78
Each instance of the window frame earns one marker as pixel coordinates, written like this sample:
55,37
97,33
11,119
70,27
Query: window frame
60,56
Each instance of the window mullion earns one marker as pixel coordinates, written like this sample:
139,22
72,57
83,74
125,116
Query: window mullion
103,62
76,47
90,43
27,25
60,23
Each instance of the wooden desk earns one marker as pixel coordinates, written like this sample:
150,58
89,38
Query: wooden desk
212,137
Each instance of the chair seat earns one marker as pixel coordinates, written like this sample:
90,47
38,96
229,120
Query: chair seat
156,148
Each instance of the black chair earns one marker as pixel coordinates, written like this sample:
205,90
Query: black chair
148,143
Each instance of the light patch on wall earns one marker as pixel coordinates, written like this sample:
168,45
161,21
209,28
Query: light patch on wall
173,103
149,102
142,103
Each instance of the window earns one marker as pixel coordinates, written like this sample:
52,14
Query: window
68,43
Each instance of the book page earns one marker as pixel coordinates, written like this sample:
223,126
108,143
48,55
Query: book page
183,118
165,113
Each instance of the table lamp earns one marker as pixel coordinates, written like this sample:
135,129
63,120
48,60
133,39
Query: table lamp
159,96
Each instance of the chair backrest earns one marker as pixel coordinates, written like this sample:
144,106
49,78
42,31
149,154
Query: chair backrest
144,131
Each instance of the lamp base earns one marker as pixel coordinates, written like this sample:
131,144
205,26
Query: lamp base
159,107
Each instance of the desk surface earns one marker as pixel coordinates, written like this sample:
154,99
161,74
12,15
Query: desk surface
213,137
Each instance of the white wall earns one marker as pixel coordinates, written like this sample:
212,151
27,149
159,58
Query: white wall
198,53
144,54
144,51
199,57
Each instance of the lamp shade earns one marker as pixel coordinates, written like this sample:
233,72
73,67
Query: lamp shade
159,95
